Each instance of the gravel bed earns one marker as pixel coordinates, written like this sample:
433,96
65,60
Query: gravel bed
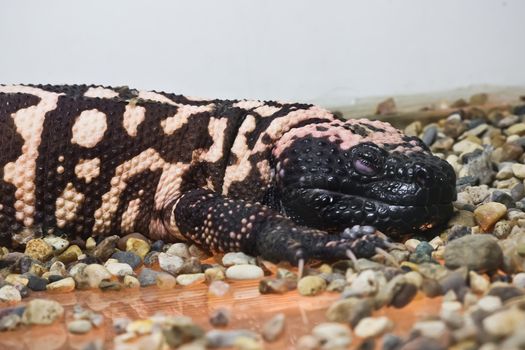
476,263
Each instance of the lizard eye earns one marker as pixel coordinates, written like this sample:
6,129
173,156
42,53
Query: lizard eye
367,160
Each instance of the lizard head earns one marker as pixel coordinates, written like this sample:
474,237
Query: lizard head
337,174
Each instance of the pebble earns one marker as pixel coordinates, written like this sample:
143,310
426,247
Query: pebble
90,243
9,322
478,284
79,326
179,249
170,263
9,294
217,338
237,258
311,285
147,277
370,327
479,252
503,323
214,274
271,285
129,258
57,243
93,274
516,129
42,312
131,282
435,329
307,342
411,244
350,310
65,285
486,215
119,269
244,272
38,249
36,283
157,246
58,269
105,248
70,255
166,280
187,279
137,246
489,303
519,280
16,279
365,284
273,328
191,265
332,335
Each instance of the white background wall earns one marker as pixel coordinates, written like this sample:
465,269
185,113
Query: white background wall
328,52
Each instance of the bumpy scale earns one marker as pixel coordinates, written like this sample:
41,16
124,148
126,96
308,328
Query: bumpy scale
282,180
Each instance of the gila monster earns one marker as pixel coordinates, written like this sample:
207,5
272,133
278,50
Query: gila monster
279,180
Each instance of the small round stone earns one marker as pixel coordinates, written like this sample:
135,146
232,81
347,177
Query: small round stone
170,263
9,294
519,280
166,280
332,335
70,254
214,274
179,249
38,249
137,246
65,285
504,322
36,283
42,312
435,329
244,272
187,279
486,215
79,326
57,243
370,327
311,285
237,258
94,274
131,282
479,252
105,248
129,258
147,277
350,310
119,269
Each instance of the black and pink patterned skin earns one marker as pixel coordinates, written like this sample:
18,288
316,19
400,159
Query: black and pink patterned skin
280,180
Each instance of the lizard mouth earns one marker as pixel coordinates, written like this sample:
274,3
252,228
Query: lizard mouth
335,211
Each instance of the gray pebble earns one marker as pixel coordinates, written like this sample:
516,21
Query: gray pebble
129,258
147,277
477,252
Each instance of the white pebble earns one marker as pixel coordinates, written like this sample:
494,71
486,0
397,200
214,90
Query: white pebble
10,294
332,335
370,327
119,269
190,278
79,326
244,272
170,263
238,258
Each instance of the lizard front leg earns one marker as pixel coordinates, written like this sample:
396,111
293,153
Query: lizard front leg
221,224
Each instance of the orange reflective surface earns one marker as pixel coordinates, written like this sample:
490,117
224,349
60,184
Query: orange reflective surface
248,309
